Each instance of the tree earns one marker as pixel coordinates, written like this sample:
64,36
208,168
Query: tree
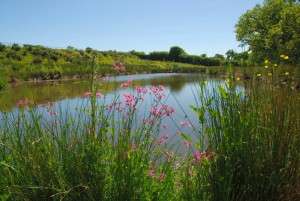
15,47
175,53
70,48
271,30
160,56
231,55
2,47
220,56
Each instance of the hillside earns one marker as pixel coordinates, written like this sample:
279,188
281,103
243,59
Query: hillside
29,62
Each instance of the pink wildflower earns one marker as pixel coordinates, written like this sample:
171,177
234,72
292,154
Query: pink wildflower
161,88
42,105
87,94
119,66
96,76
185,123
190,172
160,96
148,121
165,136
129,100
105,78
154,89
99,94
161,177
51,113
198,156
187,143
123,85
169,154
133,147
165,127
23,103
162,139
151,173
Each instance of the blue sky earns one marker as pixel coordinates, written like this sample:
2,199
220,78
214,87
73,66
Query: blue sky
198,26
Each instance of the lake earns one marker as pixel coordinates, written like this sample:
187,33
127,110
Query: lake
180,93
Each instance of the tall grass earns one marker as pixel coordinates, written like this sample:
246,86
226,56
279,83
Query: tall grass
104,149
255,133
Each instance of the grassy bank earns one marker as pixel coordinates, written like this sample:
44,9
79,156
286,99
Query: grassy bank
28,62
247,148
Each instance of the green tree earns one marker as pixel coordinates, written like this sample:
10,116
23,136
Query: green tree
176,53
271,30
160,56
231,55
70,48
15,47
2,47
220,56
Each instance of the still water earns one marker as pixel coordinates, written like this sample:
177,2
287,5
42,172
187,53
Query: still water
180,93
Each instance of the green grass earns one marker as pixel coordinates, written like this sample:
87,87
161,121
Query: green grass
247,148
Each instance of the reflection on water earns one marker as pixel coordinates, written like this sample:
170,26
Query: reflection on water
54,91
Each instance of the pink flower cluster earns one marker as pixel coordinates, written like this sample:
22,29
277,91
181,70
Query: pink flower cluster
88,94
187,143
112,105
161,177
126,84
151,173
163,110
158,91
140,90
105,77
130,100
47,104
185,123
155,90
25,102
119,66
199,156
162,139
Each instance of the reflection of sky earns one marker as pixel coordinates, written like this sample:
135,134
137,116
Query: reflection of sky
180,98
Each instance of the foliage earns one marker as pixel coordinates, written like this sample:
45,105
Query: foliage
246,147
258,157
271,30
2,82
38,62
2,47
176,53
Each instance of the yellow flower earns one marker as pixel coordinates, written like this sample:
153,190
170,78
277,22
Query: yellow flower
275,65
282,55
269,73
205,81
266,61
266,67
286,57
287,73
238,78
258,75
227,80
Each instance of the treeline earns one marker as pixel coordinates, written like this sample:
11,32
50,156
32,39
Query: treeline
177,54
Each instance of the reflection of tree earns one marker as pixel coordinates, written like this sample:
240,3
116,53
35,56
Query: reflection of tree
175,83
